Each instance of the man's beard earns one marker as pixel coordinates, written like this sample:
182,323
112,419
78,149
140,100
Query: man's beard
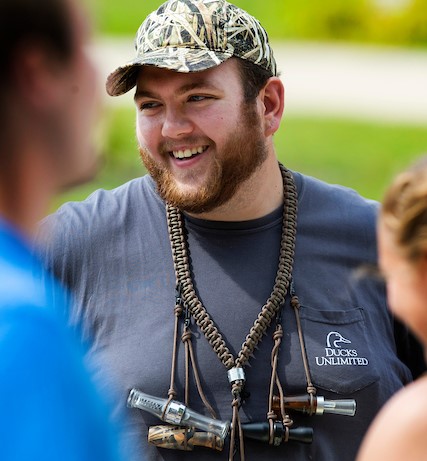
243,153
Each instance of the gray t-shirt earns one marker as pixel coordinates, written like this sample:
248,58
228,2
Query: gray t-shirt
113,252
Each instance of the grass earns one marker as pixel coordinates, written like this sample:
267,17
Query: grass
361,155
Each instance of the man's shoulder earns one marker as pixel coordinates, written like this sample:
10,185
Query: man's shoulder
23,316
337,217
315,189
105,210
317,198
105,221
18,285
103,203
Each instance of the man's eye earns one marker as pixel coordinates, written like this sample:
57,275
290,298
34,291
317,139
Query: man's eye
198,97
149,105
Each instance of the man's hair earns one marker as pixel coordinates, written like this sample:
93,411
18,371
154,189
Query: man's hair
253,78
45,23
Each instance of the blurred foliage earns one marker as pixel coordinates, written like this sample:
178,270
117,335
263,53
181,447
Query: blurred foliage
402,22
360,155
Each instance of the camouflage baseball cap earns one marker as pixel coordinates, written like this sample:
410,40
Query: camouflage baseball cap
191,36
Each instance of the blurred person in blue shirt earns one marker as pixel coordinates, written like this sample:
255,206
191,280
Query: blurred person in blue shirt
50,409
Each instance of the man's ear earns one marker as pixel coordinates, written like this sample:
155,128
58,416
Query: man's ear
272,98
36,77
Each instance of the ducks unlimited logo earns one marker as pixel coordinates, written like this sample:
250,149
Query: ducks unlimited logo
337,353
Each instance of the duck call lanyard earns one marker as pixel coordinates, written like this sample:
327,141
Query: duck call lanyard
188,303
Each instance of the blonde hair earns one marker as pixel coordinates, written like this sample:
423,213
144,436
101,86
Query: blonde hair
404,211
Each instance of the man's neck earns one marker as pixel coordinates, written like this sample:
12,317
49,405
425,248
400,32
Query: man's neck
258,196
25,200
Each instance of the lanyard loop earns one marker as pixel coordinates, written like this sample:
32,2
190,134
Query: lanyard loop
192,304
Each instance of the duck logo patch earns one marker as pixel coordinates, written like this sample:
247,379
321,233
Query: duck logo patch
339,351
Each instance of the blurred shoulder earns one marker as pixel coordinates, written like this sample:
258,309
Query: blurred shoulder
399,430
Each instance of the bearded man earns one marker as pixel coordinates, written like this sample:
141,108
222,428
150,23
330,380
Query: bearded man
221,245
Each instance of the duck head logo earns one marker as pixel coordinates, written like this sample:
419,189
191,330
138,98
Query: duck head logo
335,339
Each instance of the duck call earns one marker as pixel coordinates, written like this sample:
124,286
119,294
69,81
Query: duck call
176,413
210,432
183,438
302,403
261,431
173,437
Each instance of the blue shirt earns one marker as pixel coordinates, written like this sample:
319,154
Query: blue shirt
49,409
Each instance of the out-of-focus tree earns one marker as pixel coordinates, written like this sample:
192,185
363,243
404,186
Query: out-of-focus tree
400,22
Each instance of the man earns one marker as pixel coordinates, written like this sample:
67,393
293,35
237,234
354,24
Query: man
208,103
49,407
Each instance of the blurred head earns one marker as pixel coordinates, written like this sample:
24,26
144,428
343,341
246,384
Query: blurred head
402,235
47,88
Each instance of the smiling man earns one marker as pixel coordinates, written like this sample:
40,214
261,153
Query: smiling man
197,135
221,246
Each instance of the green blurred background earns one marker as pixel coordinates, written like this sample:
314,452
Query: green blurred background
360,154
384,21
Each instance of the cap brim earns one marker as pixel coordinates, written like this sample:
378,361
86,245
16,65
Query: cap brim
178,59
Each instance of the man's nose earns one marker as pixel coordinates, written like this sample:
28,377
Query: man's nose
176,124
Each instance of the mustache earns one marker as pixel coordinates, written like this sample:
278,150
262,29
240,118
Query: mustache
166,147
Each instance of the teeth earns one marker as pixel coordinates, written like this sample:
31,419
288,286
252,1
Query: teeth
187,153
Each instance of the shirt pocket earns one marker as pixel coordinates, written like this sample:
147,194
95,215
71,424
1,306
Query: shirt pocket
338,349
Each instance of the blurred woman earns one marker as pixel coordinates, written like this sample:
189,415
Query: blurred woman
399,431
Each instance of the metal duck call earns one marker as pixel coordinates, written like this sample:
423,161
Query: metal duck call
176,413
302,403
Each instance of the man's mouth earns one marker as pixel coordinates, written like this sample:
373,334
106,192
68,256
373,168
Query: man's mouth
188,153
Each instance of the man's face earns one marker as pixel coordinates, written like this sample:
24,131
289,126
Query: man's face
197,137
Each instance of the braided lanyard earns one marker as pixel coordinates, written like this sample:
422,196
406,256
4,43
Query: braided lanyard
187,298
